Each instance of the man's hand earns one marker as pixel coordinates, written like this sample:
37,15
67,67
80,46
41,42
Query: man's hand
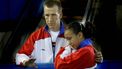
30,63
99,57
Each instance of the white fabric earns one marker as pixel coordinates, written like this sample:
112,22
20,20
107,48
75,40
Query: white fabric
42,51
22,59
54,35
93,67
66,52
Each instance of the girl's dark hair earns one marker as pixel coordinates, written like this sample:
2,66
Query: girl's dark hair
76,27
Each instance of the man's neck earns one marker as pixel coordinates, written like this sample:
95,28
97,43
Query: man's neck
55,29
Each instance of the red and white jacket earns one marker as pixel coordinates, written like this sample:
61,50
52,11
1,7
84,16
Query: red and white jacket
39,46
82,58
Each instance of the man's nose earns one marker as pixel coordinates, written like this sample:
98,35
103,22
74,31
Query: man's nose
50,18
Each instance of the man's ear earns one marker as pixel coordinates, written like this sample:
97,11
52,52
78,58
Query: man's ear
61,14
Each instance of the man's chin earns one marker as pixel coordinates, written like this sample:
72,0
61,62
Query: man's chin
51,28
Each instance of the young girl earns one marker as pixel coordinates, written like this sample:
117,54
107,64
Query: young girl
79,54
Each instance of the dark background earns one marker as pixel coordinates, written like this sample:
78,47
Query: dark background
19,18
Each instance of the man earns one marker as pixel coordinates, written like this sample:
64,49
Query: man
43,44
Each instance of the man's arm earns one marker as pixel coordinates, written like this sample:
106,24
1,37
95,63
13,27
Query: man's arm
25,51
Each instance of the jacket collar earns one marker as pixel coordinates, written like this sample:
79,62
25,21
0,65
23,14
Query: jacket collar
61,28
85,42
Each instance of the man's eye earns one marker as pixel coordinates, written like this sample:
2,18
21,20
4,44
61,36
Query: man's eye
53,14
46,15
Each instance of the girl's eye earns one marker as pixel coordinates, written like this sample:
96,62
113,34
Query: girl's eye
68,38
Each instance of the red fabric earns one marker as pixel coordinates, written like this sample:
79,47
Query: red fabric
82,58
28,46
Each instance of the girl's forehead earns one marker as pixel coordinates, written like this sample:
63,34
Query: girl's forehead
68,31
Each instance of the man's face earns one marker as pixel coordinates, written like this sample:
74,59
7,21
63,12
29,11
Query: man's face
72,38
52,16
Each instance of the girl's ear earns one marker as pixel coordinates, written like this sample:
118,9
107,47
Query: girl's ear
80,35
